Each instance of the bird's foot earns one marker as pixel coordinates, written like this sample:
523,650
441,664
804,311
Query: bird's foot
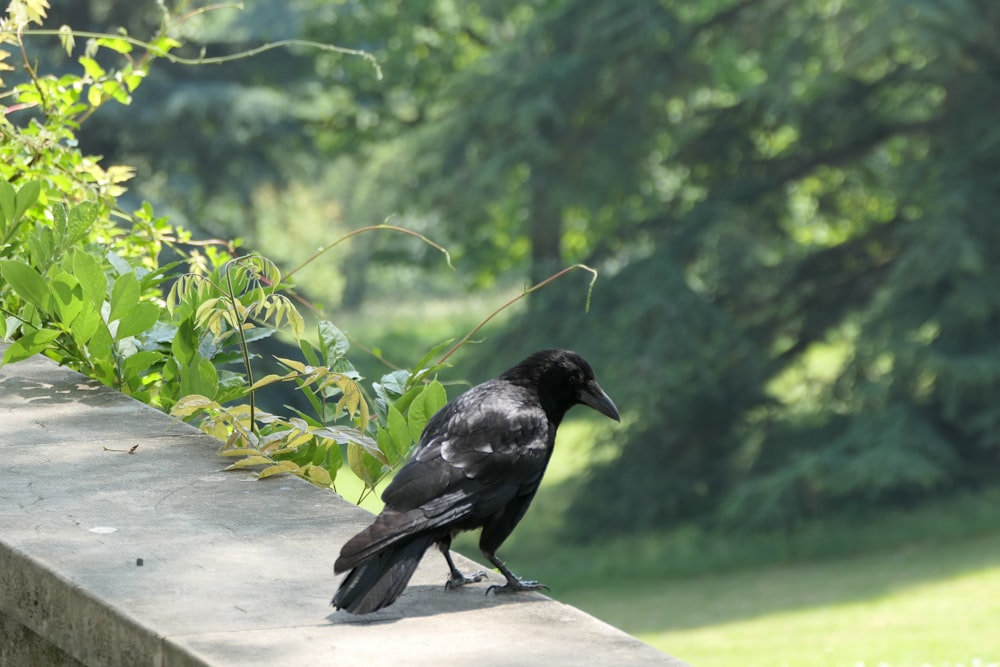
458,579
515,585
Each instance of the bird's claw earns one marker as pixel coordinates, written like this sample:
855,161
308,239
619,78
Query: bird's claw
516,586
458,580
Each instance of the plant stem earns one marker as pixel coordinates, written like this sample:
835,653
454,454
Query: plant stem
244,349
520,296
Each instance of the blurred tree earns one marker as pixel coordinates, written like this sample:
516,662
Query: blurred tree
778,178
206,140
423,48
792,204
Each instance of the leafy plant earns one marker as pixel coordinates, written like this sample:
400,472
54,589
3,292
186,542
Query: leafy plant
88,291
83,285
229,305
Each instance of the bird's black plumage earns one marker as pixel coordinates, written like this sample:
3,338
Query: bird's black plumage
478,465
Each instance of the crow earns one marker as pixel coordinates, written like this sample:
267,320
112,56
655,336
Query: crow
478,464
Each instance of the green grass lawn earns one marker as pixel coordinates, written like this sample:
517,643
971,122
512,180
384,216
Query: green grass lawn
934,604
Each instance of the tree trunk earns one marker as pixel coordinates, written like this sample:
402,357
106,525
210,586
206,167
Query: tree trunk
545,230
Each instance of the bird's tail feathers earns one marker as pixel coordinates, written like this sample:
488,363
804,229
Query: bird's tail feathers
378,581
388,529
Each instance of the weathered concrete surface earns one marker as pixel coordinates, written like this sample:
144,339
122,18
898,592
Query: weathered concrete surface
234,571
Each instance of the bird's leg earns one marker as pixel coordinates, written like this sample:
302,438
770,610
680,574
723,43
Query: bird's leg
457,579
514,584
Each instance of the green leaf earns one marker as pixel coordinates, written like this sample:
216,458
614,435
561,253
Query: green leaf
116,44
362,464
86,323
395,382
60,225
398,430
404,402
140,318
118,92
140,361
41,246
333,342
88,271
104,371
124,296
7,206
133,80
432,397
26,197
184,344
101,346
388,447
67,297
91,67
162,44
26,282
200,378
435,398
309,352
29,345
417,416
81,219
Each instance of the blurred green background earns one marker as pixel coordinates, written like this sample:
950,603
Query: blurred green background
793,208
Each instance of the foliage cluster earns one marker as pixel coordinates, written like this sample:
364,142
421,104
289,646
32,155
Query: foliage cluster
83,284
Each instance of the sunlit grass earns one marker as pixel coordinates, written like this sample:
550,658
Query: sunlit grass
934,604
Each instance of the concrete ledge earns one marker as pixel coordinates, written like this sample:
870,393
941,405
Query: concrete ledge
234,571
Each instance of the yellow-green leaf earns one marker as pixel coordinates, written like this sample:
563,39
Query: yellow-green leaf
91,67
356,462
115,44
67,39
266,380
319,475
240,451
291,363
249,462
189,405
282,466
94,96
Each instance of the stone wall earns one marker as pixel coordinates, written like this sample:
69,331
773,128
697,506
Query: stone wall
158,557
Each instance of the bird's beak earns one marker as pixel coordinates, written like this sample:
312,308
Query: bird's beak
593,396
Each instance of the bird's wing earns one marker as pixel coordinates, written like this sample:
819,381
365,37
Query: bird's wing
485,445
475,457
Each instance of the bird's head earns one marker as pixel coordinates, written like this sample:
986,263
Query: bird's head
563,379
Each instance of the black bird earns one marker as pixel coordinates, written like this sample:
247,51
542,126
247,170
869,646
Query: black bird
478,465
